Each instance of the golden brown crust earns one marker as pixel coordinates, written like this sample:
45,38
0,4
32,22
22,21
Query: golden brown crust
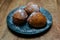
36,19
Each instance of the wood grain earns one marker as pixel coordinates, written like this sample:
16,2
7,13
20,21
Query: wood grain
50,5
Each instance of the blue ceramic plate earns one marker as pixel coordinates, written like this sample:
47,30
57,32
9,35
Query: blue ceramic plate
26,29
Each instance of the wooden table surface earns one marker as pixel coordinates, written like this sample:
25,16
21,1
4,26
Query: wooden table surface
50,5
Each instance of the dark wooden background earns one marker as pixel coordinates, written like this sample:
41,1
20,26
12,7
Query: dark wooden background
53,6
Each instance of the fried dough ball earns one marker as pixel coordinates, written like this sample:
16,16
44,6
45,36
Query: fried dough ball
37,20
19,17
31,7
